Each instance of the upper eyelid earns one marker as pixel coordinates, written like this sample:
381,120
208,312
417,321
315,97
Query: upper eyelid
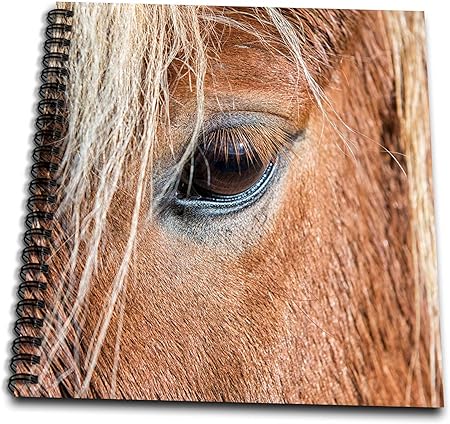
262,135
233,119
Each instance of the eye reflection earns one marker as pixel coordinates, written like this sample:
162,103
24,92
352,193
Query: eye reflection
221,169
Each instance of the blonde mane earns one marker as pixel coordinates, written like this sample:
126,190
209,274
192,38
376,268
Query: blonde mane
407,33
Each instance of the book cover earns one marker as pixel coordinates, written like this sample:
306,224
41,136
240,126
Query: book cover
230,204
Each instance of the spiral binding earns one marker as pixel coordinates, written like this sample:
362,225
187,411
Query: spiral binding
34,274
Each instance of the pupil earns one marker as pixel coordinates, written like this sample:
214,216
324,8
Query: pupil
221,170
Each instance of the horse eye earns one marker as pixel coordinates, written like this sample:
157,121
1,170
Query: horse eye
221,170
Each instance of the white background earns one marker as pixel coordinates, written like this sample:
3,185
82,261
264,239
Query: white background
21,27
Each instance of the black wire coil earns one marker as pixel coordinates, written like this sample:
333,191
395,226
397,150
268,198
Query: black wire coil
34,273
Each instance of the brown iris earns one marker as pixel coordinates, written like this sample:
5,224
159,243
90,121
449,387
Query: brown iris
223,169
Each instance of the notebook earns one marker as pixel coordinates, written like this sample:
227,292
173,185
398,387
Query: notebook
230,204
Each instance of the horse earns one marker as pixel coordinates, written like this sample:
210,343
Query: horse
245,210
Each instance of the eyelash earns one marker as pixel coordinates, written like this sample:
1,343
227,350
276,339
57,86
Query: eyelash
264,140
